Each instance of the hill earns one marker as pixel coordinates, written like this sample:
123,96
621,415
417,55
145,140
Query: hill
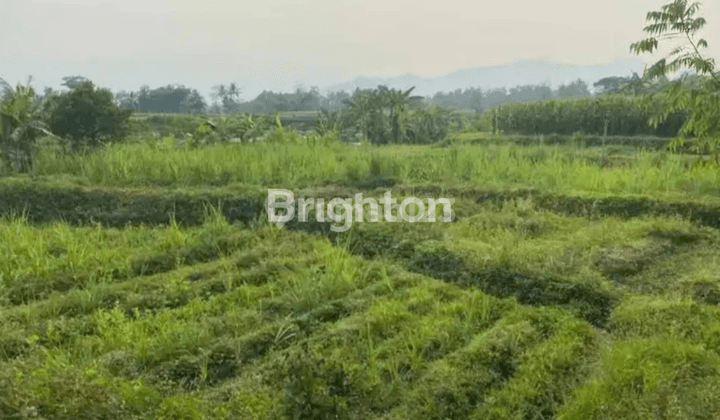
508,75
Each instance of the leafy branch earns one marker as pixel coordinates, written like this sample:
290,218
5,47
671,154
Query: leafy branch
677,20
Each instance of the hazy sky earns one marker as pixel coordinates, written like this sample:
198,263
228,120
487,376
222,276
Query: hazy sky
277,43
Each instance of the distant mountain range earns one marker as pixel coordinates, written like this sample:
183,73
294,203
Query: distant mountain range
527,72
129,74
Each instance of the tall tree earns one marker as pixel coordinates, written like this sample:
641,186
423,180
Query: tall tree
87,115
227,96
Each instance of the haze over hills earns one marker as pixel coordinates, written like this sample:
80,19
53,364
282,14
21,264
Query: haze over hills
526,72
121,74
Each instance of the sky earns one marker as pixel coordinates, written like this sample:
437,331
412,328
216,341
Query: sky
283,44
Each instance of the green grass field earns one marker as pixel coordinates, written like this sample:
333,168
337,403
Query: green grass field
143,281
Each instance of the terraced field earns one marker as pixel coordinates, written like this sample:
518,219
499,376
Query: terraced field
146,284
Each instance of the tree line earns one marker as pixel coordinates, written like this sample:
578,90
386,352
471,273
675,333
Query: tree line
226,98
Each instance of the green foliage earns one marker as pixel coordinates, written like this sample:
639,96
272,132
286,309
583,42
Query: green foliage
701,102
204,134
470,98
180,408
300,100
166,125
676,20
330,122
635,85
432,124
242,128
604,115
613,84
87,115
575,89
249,128
201,129
170,98
703,114
313,391
21,124
382,115
494,163
648,379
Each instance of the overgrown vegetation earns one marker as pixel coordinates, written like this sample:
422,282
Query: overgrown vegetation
21,124
211,321
294,160
578,279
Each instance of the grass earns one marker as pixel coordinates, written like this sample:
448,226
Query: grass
559,169
149,301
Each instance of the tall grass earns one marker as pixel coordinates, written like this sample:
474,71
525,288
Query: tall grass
142,163
291,163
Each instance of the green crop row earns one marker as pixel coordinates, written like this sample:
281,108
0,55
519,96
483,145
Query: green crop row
612,115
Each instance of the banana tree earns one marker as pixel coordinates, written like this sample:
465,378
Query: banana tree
330,122
361,107
21,123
